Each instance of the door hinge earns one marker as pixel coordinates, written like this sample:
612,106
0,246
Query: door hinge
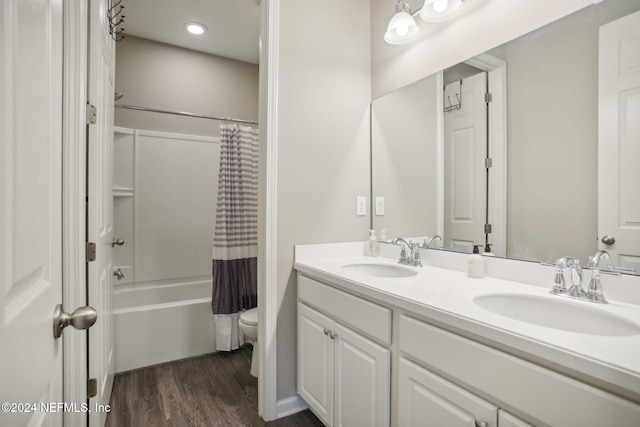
487,228
92,112
91,252
488,97
92,388
488,162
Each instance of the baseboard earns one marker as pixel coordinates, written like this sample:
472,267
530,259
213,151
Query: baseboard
290,406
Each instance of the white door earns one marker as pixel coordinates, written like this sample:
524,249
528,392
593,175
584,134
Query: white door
100,209
427,400
465,150
619,141
30,211
315,362
361,381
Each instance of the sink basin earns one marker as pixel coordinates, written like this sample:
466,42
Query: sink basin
381,270
558,313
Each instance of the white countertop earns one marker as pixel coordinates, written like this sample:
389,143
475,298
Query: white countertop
445,295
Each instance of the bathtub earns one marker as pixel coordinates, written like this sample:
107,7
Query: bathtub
156,323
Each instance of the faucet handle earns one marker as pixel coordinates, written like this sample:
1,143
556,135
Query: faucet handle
558,282
594,291
415,251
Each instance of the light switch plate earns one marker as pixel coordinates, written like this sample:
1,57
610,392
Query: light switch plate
361,205
379,206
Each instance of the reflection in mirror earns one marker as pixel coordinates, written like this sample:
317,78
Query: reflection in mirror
429,165
404,158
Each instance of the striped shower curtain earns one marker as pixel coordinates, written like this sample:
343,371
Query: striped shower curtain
235,241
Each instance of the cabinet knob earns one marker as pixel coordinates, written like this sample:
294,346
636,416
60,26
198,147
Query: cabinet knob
329,333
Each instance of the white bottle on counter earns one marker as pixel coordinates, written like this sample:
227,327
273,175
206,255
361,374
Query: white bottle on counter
373,247
476,264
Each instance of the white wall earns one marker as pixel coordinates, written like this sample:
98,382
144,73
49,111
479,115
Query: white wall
158,75
404,158
322,98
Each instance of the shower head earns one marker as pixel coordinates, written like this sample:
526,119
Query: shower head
118,96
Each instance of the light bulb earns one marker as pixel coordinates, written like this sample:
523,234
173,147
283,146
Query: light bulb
402,30
440,5
195,28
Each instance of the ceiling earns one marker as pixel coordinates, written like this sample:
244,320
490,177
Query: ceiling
233,25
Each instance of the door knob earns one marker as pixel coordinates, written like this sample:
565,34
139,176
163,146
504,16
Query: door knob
118,242
81,318
118,273
608,240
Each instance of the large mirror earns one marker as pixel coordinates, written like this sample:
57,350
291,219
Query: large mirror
520,170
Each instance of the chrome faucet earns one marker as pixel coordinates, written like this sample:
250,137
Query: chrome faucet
594,291
576,290
595,260
414,252
429,240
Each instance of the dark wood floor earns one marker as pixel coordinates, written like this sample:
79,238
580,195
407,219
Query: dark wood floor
213,390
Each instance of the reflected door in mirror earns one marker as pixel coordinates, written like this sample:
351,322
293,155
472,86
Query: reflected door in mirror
465,151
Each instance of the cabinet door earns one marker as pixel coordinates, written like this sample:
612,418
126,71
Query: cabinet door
362,380
505,419
315,362
425,400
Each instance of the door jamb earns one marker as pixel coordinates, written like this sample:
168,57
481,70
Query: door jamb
74,99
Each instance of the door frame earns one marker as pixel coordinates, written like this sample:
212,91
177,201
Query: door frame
74,100
497,85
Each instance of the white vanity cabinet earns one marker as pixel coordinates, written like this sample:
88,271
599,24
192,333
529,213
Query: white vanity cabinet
343,375
545,396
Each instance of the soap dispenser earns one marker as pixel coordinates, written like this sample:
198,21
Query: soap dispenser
476,263
373,247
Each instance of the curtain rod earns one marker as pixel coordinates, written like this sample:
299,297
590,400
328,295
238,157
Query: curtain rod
182,113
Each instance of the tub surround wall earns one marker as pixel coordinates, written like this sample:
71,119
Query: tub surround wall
164,209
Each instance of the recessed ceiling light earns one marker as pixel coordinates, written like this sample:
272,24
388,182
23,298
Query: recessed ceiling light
195,28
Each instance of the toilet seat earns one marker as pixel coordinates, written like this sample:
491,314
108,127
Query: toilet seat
250,317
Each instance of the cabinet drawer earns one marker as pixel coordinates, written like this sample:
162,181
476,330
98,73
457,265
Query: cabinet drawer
551,398
367,317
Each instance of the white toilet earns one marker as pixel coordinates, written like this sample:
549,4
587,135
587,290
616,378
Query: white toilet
249,327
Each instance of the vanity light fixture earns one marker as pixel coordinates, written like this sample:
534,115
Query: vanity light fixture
402,28
440,10
195,28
